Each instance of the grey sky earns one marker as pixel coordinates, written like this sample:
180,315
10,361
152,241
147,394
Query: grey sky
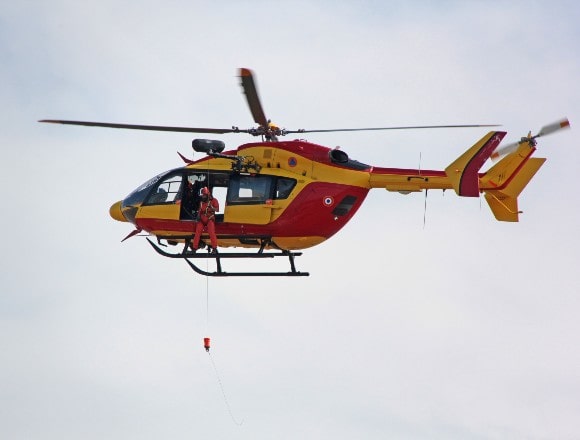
464,329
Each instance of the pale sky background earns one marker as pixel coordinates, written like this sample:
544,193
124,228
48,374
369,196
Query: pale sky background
466,328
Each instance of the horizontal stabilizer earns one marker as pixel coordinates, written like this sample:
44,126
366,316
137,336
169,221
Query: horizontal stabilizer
504,202
521,179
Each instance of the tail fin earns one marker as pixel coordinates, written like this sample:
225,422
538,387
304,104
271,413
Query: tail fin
464,171
506,180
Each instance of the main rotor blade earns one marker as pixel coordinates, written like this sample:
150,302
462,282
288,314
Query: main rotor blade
393,128
147,127
251,92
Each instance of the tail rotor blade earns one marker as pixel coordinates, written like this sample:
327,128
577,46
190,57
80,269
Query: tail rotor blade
551,128
502,151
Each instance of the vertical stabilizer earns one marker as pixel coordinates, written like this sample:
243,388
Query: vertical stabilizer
464,171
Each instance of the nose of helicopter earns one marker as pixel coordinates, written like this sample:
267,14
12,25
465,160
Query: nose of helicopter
116,212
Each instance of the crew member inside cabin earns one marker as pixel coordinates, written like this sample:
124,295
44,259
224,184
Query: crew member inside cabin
208,206
188,202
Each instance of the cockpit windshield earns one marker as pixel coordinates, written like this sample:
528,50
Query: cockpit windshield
138,196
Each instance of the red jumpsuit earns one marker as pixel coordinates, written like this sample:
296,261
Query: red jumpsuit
206,214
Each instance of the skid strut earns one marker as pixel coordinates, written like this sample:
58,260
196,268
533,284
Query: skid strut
219,272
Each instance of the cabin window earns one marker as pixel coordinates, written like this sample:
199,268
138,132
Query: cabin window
284,187
256,189
249,189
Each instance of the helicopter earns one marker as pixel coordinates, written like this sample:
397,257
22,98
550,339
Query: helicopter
280,197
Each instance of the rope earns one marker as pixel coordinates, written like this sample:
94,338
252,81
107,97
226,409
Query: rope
207,329
206,303
223,392
425,209
426,190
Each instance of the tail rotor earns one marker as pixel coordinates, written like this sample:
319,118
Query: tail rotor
545,130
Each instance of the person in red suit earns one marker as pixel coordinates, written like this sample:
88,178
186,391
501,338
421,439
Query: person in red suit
206,219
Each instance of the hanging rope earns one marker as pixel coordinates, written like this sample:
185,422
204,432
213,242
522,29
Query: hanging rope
425,209
207,346
206,302
223,392
206,340
426,190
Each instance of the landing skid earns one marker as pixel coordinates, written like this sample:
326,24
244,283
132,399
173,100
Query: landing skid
219,272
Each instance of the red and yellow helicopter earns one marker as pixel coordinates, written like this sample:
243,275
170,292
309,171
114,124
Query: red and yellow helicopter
280,197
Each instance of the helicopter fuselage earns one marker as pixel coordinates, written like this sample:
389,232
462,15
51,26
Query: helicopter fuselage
302,195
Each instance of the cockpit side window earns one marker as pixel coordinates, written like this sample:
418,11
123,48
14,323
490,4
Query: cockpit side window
168,190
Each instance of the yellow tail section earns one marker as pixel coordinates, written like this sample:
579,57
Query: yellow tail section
464,171
506,180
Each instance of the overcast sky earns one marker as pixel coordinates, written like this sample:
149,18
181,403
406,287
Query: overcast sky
462,328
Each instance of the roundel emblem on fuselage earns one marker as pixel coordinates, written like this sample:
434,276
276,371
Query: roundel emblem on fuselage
292,161
328,201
